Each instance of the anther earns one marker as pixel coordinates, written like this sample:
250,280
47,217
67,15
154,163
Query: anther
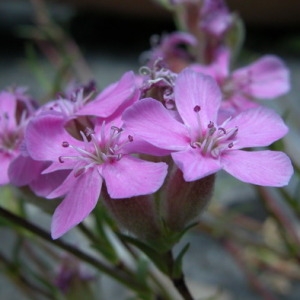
116,129
197,108
211,124
230,145
65,144
222,129
61,160
88,131
73,97
130,138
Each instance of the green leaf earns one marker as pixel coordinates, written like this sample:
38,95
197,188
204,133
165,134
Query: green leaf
236,35
155,256
177,268
104,244
142,270
34,65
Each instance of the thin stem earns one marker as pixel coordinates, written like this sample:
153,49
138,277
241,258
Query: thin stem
164,293
21,281
252,278
88,233
112,272
62,44
235,228
178,281
180,285
117,263
288,230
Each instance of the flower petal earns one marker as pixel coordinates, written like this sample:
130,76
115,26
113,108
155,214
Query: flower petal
24,169
44,137
114,97
57,165
5,162
266,168
67,184
259,126
78,203
266,78
195,89
141,146
8,107
194,166
218,69
151,121
131,176
46,183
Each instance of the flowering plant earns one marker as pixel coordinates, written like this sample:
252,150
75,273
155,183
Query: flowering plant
132,168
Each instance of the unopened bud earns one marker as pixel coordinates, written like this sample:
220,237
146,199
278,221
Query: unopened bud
184,200
138,215
160,219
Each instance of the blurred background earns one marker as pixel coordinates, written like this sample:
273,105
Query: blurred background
111,35
101,27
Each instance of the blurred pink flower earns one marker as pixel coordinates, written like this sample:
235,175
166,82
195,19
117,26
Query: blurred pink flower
14,114
82,102
264,79
171,49
215,17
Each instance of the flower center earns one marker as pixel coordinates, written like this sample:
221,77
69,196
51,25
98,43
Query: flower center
71,104
160,79
10,137
213,139
97,150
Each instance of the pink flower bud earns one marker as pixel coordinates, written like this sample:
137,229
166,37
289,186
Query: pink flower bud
159,219
138,215
184,200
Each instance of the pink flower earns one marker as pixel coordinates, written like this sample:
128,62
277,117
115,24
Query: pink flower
202,147
78,109
211,23
72,275
99,156
113,99
169,49
14,114
265,79
215,17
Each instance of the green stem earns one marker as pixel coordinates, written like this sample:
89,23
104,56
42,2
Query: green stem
286,226
252,278
61,44
236,230
117,263
86,231
21,281
112,272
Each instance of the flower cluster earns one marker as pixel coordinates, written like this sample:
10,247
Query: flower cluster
179,120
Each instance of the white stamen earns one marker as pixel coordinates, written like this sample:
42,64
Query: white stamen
213,140
96,151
